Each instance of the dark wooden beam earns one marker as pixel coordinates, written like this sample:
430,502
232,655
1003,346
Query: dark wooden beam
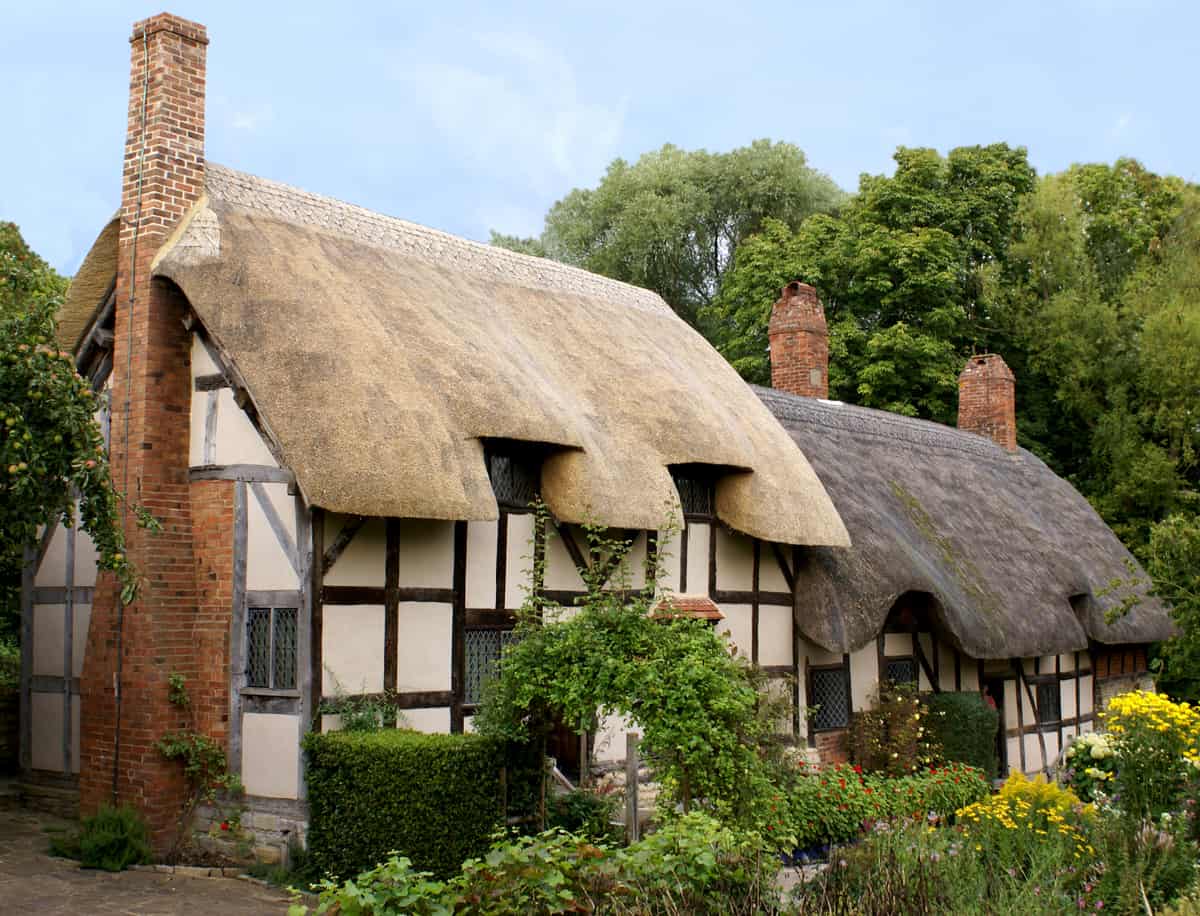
788,576
316,596
245,472
353,594
391,605
458,630
330,556
214,381
282,536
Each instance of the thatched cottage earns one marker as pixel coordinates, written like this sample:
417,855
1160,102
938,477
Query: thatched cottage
341,419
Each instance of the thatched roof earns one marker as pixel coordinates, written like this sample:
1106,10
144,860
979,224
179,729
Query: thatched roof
1001,543
89,286
382,354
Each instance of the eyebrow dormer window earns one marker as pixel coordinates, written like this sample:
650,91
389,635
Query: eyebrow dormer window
696,486
515,470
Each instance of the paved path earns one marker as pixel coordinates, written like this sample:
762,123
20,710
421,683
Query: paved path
32,881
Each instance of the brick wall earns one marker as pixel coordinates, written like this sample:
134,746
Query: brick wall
799,342
167,629
833,746
987,402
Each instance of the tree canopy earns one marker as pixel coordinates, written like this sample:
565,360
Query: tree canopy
51,448
672,221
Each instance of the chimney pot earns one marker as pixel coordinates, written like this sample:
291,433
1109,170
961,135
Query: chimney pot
799,342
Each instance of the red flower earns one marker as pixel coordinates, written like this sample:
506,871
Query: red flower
858,769
224,825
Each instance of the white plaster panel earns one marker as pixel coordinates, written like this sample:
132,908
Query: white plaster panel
738,623
945,666
864,676
1052,747
770,576
331,723
481,564
48,621
774,635
352,649
202,363
970,674
781,689
735,561
1067,698
198,414
74,734
433,721
925,641
818,656
267,564
468,725
697,559
364,560
518,572
53,571
270,754
635,563
668,561
238,442
1010,704
46,714
561,573
1046,664
426,554
423,646
83,617
802,699
1033,754
1013,748
897,644
559,614
1087,699
86,560
609,743
1067,663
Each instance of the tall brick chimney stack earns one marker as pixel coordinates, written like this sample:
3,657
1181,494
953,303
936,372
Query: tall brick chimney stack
131,651
987,402
799,342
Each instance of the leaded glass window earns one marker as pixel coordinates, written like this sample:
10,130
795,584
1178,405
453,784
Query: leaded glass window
271,638
829,691
695,491
483,660
901,671
1049,702
514,479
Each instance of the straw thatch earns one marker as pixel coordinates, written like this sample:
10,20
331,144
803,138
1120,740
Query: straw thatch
89,286
1003,545
382,354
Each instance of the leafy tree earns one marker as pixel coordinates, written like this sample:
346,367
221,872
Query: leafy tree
904,272
671,221
1173,559
51,449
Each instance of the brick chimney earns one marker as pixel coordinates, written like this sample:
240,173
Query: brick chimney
799,342
162,632
987,402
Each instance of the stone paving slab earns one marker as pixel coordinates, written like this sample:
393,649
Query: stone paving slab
32,881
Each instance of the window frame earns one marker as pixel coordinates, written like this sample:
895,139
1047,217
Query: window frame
814,670
272,689
1043,720
911,659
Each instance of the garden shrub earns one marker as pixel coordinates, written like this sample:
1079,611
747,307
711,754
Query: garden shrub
111,839
1154,860
964,726
692,865
585,813
1157,749
891,737
1091,765
832,805
434,799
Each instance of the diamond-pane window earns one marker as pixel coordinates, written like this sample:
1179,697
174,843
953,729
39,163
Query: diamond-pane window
483,660
901,670
1049,702
514,480
695,493
271,647
830,693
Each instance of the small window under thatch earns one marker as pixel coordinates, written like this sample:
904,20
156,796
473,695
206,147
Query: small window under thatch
696,484
515,470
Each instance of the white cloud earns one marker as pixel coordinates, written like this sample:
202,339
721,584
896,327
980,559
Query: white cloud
510,106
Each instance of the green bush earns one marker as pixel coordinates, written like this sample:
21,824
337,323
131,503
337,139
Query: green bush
111,839
692,865
584,813
892,736
434,799
965,726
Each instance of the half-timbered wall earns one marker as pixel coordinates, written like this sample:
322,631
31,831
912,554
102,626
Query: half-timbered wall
57,589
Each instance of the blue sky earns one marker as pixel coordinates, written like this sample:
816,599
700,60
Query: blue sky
470,116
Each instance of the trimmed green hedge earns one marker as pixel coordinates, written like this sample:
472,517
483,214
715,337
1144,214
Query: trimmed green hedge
435,799
966,727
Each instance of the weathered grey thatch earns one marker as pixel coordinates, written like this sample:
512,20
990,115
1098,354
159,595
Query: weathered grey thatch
382,354
999,541
88,287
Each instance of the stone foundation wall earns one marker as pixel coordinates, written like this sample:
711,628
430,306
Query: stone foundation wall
270,828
